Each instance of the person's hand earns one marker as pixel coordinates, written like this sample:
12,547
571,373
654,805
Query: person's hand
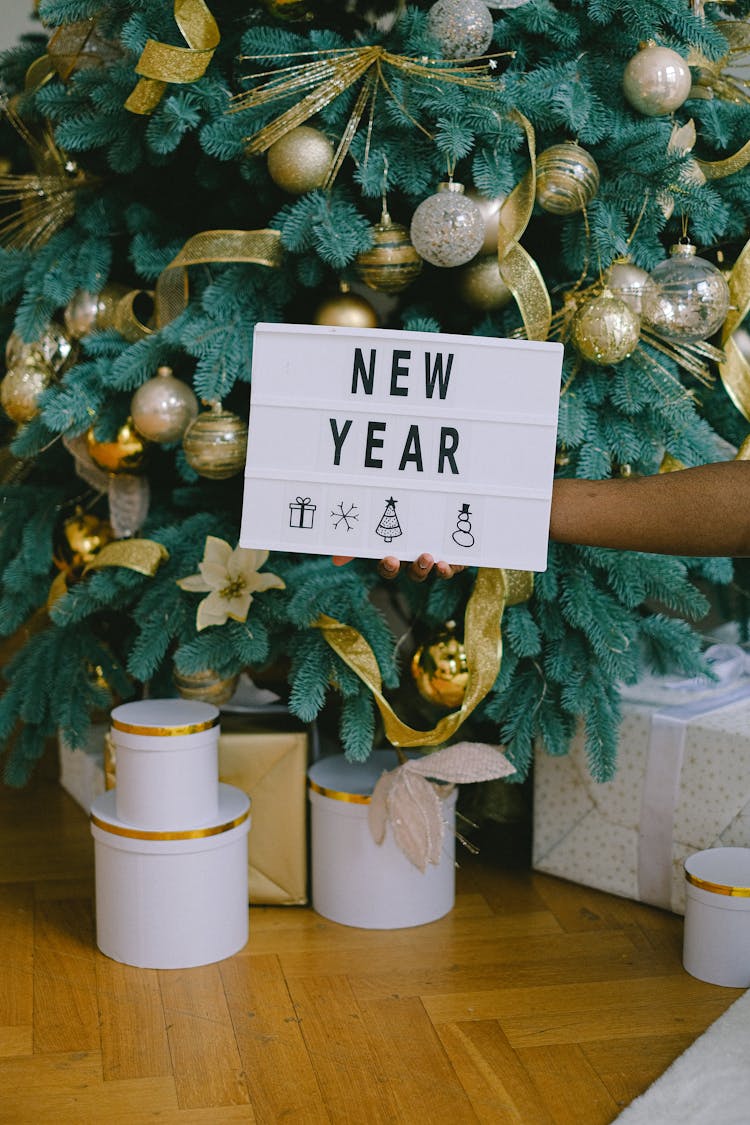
421,568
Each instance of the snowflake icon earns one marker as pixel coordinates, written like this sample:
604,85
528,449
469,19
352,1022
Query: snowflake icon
344,516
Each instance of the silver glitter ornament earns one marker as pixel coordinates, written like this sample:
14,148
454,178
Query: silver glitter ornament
447,228
163,407
605,329
463,28
657,80
690,298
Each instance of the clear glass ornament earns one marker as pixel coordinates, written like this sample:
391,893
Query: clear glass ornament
690,298
448,228
463,28
163,407
605,329
657,80
567,178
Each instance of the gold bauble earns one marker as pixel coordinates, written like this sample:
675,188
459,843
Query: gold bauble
481,286
123,455
605,329
346,310
300,160
163,407
82,537
215,444
21,389
391,263
440,671
490,209
206,686
567,179
88,312
657,80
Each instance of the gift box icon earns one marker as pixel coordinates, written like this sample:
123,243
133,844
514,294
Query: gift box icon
301,512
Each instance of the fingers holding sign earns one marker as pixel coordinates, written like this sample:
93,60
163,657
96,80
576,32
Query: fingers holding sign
418,571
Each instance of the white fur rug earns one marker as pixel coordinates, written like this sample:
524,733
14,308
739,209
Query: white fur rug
707,1085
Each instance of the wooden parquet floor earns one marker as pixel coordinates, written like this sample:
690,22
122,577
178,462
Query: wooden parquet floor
534,1002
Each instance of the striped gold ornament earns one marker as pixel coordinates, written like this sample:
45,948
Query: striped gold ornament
391,263
567,179
215,443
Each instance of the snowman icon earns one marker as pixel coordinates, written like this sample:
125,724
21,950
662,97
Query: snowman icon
462,535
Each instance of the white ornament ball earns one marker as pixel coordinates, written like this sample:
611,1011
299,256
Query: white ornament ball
447,228
657,80
163,408
463,28
629,283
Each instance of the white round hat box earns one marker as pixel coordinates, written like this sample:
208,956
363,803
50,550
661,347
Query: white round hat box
354,880
167,761
171,899
716,944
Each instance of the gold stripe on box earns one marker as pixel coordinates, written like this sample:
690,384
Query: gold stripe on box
336,795
718,888
164,732
190,834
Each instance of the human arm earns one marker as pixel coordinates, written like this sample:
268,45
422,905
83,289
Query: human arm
701,512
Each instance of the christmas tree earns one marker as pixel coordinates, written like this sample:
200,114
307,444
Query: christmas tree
179,173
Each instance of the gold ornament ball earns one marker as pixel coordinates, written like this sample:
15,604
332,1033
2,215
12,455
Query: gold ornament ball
481,286
391,263
163,408
299,161
440,671
83,536
605,329
21,389
657,80
215,444
206,686
490,211
53,349
123,455
346,310
567,179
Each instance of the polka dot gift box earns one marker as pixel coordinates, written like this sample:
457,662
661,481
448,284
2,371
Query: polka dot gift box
682,785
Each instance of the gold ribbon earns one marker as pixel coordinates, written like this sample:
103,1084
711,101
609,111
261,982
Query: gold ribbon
717,169
259,247
142,555
160,63
518,269
735,370
126,320
493,590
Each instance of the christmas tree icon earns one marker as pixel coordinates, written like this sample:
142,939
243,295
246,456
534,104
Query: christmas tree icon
389,527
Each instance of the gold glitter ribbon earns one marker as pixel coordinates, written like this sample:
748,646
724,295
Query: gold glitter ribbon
258,247
142,555
493,590
160,63
735,370
126,320
518,269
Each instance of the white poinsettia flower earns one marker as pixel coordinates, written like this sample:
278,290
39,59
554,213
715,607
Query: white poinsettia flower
230,578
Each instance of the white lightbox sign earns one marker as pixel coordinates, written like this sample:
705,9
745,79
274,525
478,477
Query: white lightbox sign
371,442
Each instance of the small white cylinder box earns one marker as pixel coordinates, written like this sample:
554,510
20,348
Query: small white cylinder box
354,880
716,945
171,899
167,763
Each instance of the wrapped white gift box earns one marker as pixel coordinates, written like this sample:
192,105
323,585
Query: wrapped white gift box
682,785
